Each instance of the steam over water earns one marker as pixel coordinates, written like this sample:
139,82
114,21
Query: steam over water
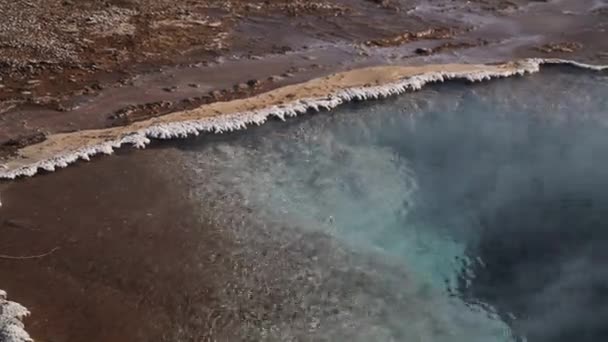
457,213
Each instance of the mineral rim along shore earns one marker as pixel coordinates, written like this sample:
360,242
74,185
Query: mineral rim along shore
59,150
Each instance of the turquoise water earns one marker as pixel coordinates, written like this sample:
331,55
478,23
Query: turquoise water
485,202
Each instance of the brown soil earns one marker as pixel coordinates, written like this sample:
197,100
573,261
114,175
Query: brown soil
407,37
62,47
64,61
107,295
58,54
567,47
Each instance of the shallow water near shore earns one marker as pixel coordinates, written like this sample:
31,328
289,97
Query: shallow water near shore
458,213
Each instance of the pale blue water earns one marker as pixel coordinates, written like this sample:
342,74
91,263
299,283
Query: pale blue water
491,199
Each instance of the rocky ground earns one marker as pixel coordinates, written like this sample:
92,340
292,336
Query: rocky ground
62,47
68,65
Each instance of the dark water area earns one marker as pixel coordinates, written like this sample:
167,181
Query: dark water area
462,212
495,194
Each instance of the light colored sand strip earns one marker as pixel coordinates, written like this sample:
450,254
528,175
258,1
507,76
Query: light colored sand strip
11,325
60,150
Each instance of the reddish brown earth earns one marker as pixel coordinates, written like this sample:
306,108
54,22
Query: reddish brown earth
104,294
70,65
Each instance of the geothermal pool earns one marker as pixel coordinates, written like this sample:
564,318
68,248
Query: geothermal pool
490,198
457,213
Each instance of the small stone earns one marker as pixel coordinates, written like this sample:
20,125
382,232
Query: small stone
253,83
423,51
170,89
241,86
253,7
194,85
275,78
216,94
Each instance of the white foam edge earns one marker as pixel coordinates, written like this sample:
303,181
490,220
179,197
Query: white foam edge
237,121
11,321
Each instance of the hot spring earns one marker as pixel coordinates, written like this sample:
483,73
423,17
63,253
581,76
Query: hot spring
491,199
462,212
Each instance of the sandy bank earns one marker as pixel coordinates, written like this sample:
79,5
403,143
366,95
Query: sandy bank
328,92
